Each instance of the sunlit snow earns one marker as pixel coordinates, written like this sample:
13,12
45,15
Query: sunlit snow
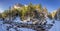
3,27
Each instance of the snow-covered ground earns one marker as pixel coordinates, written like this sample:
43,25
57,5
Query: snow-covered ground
3,27
56,26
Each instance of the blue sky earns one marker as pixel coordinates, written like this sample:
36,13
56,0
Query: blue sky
50,4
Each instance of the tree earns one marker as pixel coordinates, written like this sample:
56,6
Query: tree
38,7
0,15
50,16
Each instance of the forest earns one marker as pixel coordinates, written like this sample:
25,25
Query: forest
27,13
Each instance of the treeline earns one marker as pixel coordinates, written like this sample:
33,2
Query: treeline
31,10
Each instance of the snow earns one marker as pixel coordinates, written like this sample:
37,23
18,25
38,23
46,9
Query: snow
25,29
56,26
3,27
12,29
49,21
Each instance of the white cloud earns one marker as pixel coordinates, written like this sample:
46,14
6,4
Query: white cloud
1,10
